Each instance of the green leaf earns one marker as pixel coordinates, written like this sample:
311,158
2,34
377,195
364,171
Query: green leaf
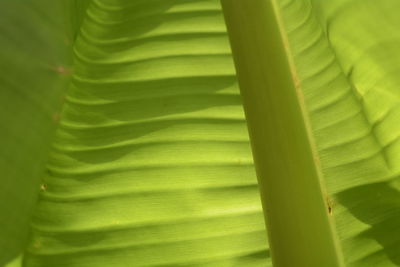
341,63
284,150
151,163
151,166
34,56
363,154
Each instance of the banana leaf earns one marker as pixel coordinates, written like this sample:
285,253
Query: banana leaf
322,77
124,141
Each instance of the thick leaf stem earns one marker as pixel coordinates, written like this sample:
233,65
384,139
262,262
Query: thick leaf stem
298,217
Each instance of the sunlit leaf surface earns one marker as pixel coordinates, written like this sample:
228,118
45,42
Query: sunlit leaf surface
151,163
347,58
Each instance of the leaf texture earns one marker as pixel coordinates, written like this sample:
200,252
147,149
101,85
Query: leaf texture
33,59
151,164
346,57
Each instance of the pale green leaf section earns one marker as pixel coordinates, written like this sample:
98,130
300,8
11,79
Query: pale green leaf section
300,230
151,164
346,54
344,59
16,262
34,45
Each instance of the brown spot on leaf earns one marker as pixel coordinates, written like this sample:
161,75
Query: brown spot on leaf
37,244
329,205
63,70
56,117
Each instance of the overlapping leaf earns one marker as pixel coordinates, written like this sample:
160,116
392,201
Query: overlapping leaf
34,42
